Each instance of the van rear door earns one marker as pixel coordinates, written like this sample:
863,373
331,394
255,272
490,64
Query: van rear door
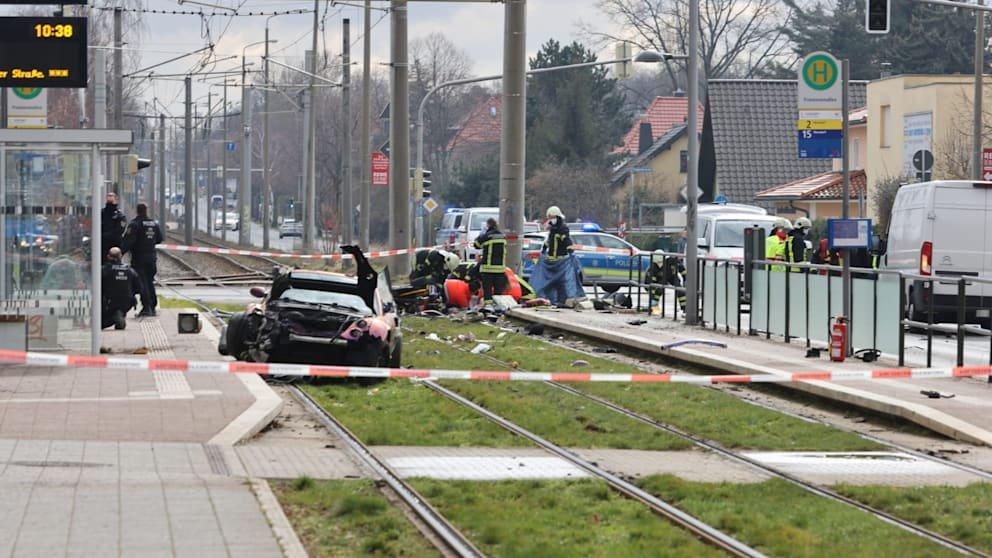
959,232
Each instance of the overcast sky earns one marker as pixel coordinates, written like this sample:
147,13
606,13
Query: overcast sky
475,27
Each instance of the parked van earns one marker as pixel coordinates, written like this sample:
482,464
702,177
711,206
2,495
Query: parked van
447,232
721,235
943,229
472,224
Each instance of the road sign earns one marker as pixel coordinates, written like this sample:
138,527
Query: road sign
43,52
380,169
684,193
430,205
819,82
849,233
820,144
923,164
819,124
987,163
27,107
230,146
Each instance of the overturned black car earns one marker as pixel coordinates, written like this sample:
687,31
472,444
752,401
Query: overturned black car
319,317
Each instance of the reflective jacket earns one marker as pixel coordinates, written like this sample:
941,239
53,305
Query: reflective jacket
559,241
795,248
775,250
493,246
430,264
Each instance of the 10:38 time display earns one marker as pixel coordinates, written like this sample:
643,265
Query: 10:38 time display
58,31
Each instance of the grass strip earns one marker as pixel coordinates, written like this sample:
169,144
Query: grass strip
705,412
554,519
348,518
962,513
781,519
170,302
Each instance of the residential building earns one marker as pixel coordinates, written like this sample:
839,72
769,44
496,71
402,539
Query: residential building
477,135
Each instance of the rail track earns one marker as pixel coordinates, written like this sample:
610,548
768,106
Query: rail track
207,269
813,488
445,536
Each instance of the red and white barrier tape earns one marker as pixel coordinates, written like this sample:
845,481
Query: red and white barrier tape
237,252
305,370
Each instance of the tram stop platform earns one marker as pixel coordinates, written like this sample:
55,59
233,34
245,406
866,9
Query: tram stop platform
967,416
133,462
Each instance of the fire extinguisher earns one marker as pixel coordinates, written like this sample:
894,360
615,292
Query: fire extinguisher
838,339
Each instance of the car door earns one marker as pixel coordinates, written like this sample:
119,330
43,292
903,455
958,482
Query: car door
593,262
618,259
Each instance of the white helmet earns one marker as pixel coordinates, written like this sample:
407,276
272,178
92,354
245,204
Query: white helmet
451,261
554,211
784,223
803,223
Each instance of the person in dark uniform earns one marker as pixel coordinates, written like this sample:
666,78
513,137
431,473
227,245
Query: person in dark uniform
492,261
666,270
143,233
120,287
112,225
432,267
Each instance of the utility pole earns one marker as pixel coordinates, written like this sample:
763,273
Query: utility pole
118,95
513,140
348,207
266,186
152,193
365,147
692,176
399,139
161,169
210,171
845,158
223,180
188,148
310,203
976,158
244,185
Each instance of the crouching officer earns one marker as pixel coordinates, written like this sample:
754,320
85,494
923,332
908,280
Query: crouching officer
432,267
666,270
492,261
143,233
120,287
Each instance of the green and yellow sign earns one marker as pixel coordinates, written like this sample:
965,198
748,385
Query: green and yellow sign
819,82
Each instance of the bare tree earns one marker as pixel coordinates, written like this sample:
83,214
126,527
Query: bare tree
883,196
581,191
738,38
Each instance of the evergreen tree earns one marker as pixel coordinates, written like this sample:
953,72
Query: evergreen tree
573,116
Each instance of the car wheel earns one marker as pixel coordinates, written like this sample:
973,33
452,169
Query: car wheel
236,328
369,355
396,359
610,289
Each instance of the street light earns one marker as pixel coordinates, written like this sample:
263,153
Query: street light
244,221
646,56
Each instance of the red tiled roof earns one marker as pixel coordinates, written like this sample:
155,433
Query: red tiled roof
663,114
858,116
481,126
824,186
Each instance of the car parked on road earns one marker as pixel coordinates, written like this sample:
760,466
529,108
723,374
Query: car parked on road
721,235
609,270
290,227
446,233
319,317
233,222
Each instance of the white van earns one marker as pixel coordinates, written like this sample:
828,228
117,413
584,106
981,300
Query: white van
943,229
472,224
721,235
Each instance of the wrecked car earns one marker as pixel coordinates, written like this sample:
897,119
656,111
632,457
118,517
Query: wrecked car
319,317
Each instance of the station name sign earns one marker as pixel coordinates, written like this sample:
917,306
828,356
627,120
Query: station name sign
43,52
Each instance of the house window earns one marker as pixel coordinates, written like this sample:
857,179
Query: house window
683,161
886,129
856,154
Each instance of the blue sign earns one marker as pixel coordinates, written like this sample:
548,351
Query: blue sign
820,144
230,146
720,199
849,233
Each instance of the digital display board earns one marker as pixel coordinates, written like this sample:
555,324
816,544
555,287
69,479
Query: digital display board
42,52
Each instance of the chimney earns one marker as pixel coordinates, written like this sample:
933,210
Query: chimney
678,93
646,140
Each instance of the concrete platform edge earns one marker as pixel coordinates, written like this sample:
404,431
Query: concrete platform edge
291,545
931,419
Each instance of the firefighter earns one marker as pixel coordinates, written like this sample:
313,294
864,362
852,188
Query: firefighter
666,270
559,242
120,286
775,243
432,267
492,261
142,234
795,243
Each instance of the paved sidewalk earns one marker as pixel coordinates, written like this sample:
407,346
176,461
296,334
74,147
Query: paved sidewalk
967,416
120,462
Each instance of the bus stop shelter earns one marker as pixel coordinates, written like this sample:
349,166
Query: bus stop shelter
51,185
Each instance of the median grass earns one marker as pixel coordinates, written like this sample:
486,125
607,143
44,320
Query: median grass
554,519
705,412
348,518
961,513
182,304
781,519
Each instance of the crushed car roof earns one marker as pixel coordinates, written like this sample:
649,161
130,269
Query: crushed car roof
310,275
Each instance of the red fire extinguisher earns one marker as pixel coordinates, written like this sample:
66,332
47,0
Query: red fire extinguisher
838,339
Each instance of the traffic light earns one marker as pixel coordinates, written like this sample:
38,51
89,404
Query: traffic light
135,163
877,16
420,183
425,183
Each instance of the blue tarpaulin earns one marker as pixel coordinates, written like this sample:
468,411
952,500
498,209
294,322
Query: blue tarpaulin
557,280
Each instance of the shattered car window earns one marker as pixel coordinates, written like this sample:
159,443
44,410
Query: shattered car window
340,300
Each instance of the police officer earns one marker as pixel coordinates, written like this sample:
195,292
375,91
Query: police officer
775,243
112,225
559,241
795,243
120,287
143,233
492,261
432,267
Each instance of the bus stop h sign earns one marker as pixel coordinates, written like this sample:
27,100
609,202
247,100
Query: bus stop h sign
820,85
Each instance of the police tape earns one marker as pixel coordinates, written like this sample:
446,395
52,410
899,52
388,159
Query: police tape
28,358
302,256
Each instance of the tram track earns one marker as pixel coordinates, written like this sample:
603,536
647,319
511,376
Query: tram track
439,531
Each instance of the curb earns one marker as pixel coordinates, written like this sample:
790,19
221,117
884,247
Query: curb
281,527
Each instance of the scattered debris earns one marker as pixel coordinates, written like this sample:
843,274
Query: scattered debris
812,352
140,351
535,329
433,337
935,394
609,350
637,322
580,362
466,337
501,335
481,348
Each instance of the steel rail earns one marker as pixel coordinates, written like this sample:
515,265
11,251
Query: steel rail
702,530
447,533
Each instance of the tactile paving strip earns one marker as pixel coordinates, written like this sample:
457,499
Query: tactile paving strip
169,384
